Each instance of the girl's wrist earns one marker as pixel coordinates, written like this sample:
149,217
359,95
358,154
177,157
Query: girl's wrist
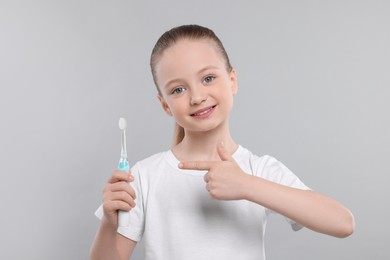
253,185
247,187
108,224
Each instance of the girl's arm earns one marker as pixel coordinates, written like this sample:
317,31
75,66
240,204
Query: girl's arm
108,243
225,180
308,208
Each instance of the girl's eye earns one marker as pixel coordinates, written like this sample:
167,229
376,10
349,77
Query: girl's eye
178,90
208,79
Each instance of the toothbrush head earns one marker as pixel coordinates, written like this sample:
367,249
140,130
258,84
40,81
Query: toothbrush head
122,123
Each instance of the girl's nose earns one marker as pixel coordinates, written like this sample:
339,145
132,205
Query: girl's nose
198,98
198,94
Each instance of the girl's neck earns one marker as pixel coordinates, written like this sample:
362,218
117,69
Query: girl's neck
202,146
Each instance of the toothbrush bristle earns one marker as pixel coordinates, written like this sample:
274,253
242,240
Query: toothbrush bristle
122,123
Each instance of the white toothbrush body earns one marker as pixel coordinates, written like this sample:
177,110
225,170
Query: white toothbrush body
123,216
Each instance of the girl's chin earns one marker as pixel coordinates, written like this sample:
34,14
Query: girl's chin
206,128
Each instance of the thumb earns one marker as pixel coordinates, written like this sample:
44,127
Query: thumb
223,153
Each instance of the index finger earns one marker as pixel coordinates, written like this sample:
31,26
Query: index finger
196,165
120,176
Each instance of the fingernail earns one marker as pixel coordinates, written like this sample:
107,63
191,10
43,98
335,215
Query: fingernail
222,143
181,165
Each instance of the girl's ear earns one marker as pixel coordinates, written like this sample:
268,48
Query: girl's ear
164,105
233,79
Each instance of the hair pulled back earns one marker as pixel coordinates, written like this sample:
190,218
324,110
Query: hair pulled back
170,38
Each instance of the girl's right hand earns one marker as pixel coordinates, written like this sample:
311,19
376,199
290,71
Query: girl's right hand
117,195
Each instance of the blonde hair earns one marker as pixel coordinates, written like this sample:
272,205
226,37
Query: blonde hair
170,38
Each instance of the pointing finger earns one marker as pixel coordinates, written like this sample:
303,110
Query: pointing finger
196,165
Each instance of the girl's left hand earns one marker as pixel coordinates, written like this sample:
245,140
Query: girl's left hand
225,180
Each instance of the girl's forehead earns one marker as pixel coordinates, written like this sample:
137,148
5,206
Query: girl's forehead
184,46
187,51
186,59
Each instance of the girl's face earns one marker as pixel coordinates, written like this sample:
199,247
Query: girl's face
196,88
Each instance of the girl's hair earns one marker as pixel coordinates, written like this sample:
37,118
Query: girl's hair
170,38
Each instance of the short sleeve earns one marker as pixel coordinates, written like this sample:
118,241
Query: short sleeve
273,170
134,230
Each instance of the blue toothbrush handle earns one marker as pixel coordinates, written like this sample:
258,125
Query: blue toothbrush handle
124,166
123,216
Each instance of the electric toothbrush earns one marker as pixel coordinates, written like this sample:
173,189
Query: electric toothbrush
123,216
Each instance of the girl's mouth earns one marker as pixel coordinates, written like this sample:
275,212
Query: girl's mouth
203,113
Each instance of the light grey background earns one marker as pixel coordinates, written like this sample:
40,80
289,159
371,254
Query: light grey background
313,92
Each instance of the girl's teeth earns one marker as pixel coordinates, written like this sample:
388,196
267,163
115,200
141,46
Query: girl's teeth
202,113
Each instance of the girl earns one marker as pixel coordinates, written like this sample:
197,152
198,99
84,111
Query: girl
207,197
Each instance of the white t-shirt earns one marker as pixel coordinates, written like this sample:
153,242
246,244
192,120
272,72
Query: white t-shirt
177,219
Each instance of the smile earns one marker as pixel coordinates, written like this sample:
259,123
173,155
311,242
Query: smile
202,113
